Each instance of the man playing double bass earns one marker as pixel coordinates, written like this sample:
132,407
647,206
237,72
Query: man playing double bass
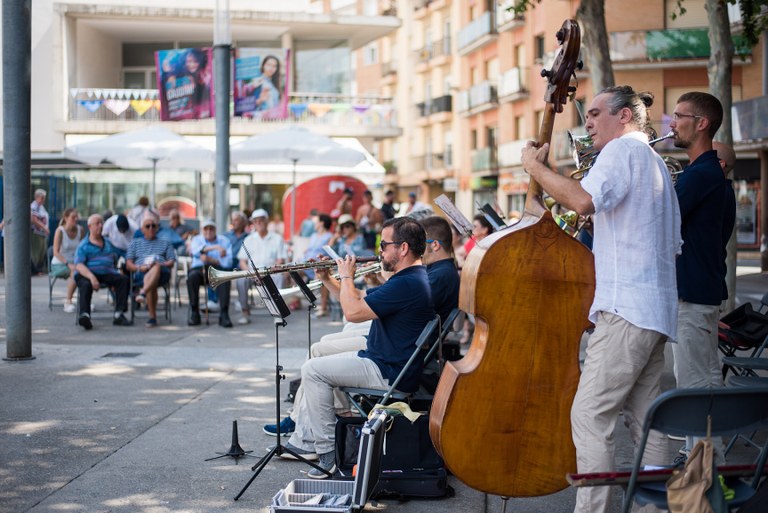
630,195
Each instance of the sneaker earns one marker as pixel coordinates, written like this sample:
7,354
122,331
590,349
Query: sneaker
213,306
307,455
85,321
287,426
243,320
69,307
328,463
194,318
151,323
121,320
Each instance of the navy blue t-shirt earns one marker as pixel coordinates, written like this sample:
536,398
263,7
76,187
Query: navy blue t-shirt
729,220
403,306
444,282
701,191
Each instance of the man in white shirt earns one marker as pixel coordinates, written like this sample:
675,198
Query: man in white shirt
119,230
266,249
636,216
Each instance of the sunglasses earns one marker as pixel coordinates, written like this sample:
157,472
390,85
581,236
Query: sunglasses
150,226
383,244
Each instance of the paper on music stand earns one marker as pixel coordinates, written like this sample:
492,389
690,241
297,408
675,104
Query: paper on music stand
454,214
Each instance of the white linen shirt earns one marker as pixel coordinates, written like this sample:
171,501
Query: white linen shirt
636,235
265,252
116,238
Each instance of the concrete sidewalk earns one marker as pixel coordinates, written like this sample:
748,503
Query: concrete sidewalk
121,419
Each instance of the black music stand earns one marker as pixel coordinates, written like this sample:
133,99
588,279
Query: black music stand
310,296
279,311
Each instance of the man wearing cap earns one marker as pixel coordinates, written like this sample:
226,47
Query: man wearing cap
413,205
119,231
209,249
265,248
150,258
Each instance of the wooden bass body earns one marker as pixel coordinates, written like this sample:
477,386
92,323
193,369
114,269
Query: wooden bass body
501,415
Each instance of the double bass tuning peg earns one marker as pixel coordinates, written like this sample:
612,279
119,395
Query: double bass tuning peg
546,73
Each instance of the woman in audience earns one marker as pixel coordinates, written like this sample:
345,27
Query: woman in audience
65,241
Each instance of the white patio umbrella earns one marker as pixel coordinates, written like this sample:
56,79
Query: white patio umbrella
294,145
138,149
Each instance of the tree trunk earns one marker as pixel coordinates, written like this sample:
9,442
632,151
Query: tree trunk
591,16
719,72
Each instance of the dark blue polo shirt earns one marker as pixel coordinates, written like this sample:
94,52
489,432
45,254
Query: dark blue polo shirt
403,306
729,220
444,282
701,192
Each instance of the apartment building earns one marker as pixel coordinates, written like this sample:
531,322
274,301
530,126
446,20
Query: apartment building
465,76
93,74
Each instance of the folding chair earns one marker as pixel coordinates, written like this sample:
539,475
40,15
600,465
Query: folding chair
685,412
743,329
51,278
166,300
361,398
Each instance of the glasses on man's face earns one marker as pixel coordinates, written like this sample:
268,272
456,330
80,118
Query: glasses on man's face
383,244
150,226
676,116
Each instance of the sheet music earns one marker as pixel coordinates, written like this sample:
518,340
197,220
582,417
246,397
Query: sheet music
454,214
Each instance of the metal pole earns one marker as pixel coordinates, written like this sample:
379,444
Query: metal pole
222,52
17,51
293,202
154,184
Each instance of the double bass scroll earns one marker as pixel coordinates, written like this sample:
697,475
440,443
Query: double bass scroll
501,415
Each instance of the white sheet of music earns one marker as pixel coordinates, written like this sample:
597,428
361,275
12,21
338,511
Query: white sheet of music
454,214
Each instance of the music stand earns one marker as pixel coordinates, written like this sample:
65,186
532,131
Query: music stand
279,311
310,296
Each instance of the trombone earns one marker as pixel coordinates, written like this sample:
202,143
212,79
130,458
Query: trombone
216,276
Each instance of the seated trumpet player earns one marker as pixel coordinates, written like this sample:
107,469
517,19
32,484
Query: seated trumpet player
398,309
208,249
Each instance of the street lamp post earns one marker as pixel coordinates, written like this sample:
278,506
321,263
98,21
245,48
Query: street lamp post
222,54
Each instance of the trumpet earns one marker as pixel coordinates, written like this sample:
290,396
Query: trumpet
317,284
216,276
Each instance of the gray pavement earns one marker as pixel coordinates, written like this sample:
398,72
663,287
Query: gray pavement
121,419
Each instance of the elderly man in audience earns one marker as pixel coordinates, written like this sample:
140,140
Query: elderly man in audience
208,249
95,260
151,259
266,249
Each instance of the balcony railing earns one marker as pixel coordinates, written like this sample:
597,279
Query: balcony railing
484,159
478,95
481,26
435,105
513,82
442,47
750,119
389,68
505,16
672,44
423,54
430,161
318,108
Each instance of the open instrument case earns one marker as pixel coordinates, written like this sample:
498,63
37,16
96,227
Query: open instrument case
332,496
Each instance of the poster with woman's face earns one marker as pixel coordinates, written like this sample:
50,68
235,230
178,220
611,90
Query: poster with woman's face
261,83
185,82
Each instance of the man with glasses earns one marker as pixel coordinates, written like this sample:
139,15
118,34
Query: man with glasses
399,309
151,259
95,260
209,249
701,191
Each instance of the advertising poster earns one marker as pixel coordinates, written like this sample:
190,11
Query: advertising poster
261,83
185,83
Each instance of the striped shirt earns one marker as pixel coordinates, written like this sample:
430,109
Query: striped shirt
143,251
98,259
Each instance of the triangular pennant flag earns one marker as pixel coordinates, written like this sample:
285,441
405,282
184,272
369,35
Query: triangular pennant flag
340,108
141,106
117,106
297,109
319,109
91,105
361,109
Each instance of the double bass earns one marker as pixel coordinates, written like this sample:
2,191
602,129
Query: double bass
501,415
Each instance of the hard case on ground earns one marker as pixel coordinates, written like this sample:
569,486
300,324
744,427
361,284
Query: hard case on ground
331,496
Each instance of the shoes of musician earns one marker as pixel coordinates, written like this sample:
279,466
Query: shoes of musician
307,455
287,427
194,318
328,463
85,321
121,320
224,320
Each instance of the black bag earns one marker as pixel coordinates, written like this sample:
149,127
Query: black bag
410,467
746,328
293,387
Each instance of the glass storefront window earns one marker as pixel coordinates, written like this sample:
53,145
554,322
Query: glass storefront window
323,67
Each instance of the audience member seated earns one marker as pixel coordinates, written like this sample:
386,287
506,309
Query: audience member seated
399,309
266,249
209,249
95,260
151,259
65,241
119,232
183,230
